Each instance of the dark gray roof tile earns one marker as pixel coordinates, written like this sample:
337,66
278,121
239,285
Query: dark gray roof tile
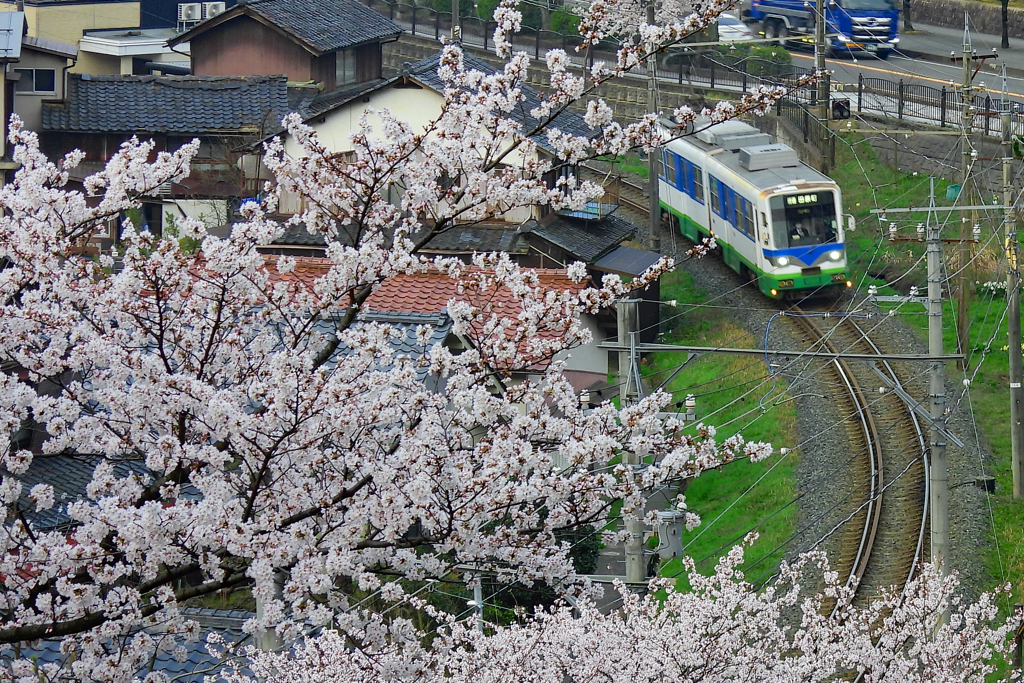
327,25
586,240
181,105
425,71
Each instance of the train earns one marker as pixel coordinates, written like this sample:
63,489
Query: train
776,220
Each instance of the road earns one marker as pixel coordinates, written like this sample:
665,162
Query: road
912,70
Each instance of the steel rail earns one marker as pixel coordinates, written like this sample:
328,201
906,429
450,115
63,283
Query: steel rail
874,454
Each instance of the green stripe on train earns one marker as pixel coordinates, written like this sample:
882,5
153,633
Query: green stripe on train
765,283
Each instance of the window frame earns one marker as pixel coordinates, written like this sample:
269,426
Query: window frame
34,91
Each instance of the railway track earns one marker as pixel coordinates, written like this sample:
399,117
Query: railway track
887,515
884,536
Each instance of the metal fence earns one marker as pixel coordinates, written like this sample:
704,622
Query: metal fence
896,99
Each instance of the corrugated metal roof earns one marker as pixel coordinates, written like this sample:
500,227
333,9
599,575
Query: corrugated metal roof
627,261
12,31
51,46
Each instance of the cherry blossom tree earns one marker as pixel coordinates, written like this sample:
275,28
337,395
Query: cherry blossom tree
251,431
722,630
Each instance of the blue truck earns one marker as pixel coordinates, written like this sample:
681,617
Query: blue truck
851,25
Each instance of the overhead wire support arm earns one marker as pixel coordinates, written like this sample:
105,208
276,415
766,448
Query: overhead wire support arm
655,348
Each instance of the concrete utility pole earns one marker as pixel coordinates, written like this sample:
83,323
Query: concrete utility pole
968,154
820,48
456,23
939,486
654,206
629,380
1012,299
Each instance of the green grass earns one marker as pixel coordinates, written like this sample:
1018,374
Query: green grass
628,163
989,392
731,384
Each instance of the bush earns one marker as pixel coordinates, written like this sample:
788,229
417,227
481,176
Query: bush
565,22
769,60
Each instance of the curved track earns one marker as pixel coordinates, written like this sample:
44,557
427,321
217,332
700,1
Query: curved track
887,516
888,513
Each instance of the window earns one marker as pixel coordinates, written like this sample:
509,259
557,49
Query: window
698,185
748,217
36,81
345,67
716,203
661,164
670,169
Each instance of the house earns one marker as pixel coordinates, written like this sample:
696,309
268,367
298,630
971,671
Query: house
101,112
42,75
12,30
66,21
334,43
415,96
131,52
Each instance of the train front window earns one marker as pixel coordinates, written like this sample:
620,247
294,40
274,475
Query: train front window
799,220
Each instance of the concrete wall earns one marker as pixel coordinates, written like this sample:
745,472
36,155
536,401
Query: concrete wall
65,22
985,18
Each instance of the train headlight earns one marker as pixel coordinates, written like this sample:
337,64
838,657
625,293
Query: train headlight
782,261
835,254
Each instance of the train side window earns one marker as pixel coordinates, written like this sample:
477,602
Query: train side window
716,197
698,184
748,218
661,164
670,169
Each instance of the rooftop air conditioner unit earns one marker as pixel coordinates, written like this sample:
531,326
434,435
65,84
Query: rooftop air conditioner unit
212,9
190,11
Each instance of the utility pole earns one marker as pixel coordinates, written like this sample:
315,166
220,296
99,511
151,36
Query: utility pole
456,23
1012,298
654,206
823,79
938,505
629,380
968,154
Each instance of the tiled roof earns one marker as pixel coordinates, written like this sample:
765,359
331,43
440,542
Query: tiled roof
586,240
477,239
185,105
321,25
431,291
69,475
336,98
425,72
196,666
406,345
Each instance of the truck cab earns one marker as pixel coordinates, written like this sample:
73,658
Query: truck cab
851,25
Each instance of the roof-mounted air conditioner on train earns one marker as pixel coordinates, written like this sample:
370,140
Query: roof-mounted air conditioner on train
190,11
714,135
764,157
735,142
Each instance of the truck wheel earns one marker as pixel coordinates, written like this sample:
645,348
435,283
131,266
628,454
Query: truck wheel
783,34
883,54
770,29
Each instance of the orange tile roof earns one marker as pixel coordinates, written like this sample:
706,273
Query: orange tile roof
430,292
427,292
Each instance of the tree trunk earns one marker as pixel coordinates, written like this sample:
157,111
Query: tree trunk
907,24
1005,13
